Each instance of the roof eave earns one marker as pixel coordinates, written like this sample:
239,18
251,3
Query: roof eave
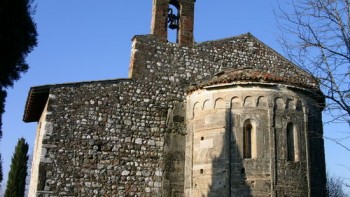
35,104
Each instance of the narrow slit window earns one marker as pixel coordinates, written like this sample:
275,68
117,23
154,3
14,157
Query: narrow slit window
247,143
292,143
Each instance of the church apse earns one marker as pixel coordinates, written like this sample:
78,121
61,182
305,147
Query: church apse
246,140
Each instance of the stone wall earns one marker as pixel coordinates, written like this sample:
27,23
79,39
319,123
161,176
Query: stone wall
317,166
166,62
127,137
43,128
107,140
218,168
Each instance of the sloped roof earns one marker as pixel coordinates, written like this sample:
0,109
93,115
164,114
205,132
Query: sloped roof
257,62
242,75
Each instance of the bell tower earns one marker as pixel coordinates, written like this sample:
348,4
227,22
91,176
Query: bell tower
163,17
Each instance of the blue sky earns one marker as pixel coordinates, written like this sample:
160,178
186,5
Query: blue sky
85,40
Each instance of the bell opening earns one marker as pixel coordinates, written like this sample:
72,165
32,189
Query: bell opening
173,23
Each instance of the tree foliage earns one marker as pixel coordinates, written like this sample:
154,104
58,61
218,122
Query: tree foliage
316,36
1,175
17,39
335,186
18,36
18,172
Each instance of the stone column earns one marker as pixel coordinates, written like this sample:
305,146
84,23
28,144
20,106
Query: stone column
185,35
159,19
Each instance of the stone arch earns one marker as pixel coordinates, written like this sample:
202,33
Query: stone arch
249,139
248,101
175,3
206,104
290,104
279,103
236,103
220,103
196,108
262,102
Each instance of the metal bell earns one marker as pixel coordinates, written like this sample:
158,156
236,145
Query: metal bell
173,20
173,24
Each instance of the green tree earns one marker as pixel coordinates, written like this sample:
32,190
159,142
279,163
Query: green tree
18,172
18,36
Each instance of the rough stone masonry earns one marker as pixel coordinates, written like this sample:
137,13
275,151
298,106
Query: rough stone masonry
219,118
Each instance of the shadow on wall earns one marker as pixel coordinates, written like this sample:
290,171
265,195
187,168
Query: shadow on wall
228,172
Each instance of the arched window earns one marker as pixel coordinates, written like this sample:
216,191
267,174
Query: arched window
249,139
292,143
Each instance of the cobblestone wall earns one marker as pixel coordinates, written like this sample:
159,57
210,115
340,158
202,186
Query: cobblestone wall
106,140
127,137
166,62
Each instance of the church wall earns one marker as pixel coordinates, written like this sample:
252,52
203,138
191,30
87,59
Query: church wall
267,171
127,137
43,127
317,158
107,140
287,113
167,65
153,60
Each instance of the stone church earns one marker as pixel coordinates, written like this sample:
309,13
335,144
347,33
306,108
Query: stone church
221,118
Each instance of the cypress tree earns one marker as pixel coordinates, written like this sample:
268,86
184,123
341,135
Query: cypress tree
18,172
17,38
